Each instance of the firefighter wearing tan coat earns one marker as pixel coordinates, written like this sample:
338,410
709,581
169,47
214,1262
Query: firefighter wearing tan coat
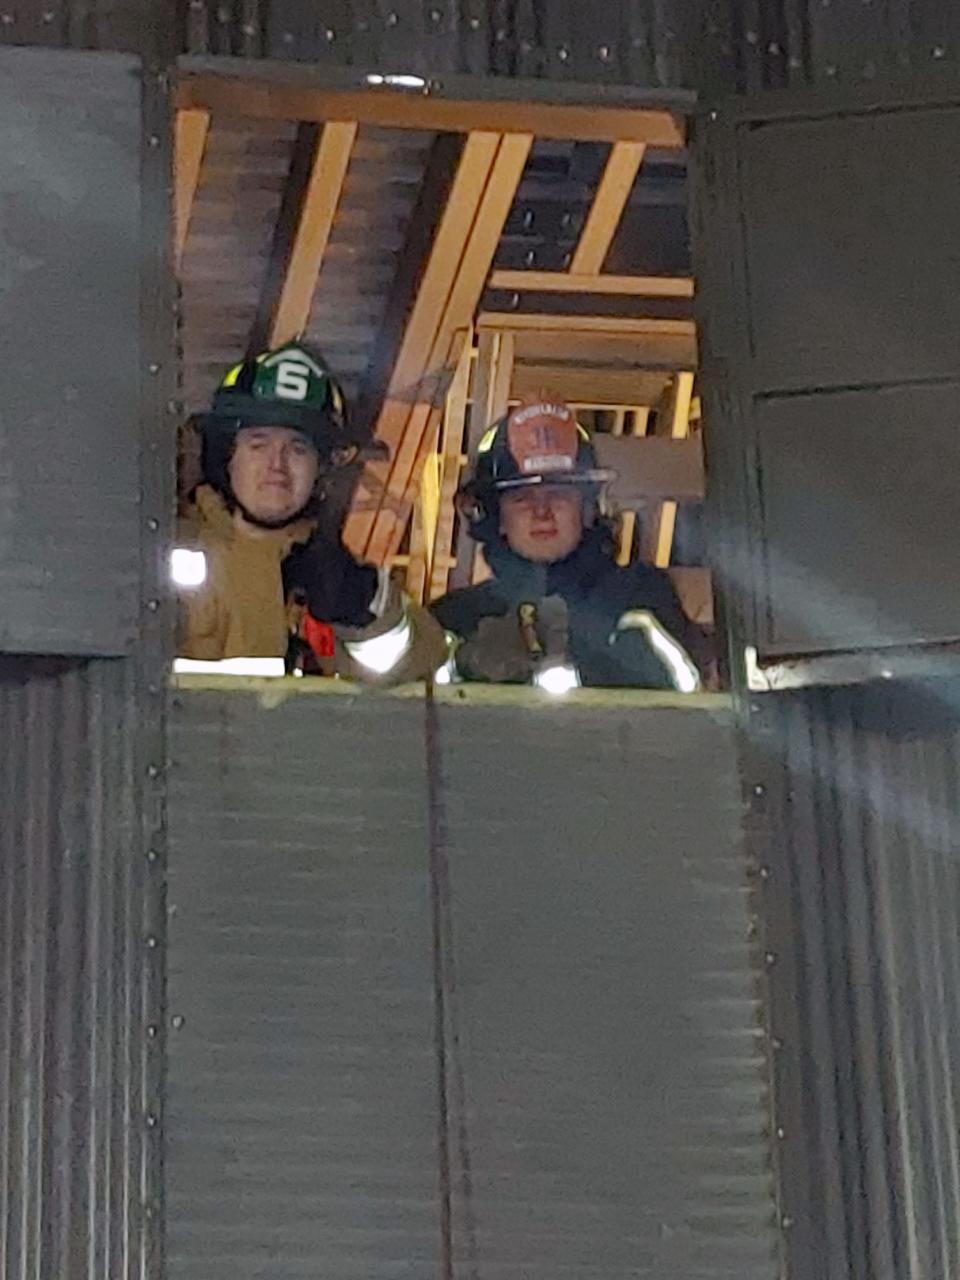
257,577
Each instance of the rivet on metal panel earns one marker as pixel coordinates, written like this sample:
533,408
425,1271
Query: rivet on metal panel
751,37
287,37
526,46
177,1021
781,1132
474,24
152,855
773,48
151,941
249,30
154,140
604,53
715,116
330,35
223,14
392,19
563,53
938,51
786,1222
153,367
153,605
48,15
153,524
776,1044
435,15
152,1031
153,771
831,71
150,1120
759,789
795,64
769,958
764,873
7,19
501,35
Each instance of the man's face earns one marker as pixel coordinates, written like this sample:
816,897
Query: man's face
543,523
272,472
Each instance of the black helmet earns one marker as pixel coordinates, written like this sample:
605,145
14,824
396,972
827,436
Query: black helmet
540,442
287,387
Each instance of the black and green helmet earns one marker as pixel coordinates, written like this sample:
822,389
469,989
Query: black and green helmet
288,387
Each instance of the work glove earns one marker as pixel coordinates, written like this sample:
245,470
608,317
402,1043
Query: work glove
336,588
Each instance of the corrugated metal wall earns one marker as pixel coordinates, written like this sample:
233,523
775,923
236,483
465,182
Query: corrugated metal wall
710,44
82,921
856,834
590,1004
80,976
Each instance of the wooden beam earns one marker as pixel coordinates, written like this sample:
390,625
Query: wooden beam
452,438
652,469
192,128
606,211
667,352
615,326
591,385
567,282
679,430
469,278
432,196
318,210
425,317
282,92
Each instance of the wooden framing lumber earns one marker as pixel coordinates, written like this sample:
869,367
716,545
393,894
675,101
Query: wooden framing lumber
191,130
606,211
456,284
318,210
652,469
567,282
408,378
665,523
615,326
281,91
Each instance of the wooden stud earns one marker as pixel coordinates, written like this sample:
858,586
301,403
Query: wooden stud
628,523
320,203
567,282
468,279
606,211
406,383
615,326
452,437
290,92
192,128
679,429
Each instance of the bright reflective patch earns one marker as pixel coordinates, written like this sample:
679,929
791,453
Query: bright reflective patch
187,568
557,680
230,667
381,654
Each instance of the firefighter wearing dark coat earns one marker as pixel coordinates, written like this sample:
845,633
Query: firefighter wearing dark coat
558,611
259,577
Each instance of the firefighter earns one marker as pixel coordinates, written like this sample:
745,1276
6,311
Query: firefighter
557,611
257,574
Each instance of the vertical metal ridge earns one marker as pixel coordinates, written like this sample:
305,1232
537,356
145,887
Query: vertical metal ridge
863,845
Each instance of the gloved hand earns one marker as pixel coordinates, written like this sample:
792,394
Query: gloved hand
337,589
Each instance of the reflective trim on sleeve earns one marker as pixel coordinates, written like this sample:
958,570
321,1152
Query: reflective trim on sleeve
381,654
188,568
230,667
674,658
379,603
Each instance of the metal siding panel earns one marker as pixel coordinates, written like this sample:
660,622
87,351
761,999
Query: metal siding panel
605,1008
301,1111
74,994
856,794
69,458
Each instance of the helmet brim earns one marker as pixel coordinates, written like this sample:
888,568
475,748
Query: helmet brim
322,432
596,476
